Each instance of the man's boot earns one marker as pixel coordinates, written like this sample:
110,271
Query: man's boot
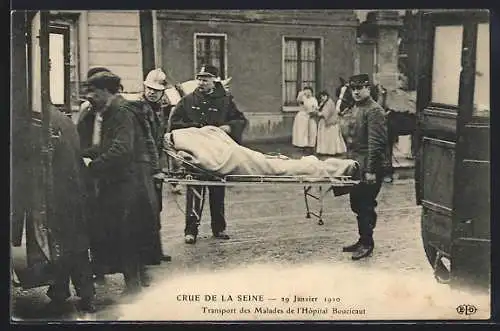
145,277
87,305
352,248
364,250
132,280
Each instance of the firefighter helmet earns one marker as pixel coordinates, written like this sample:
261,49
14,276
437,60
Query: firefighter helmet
156,79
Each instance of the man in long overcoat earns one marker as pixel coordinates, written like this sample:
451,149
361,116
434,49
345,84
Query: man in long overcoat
68,222
111,163
85,125
152,119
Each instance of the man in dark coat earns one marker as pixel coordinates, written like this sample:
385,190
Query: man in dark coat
147,210
85,124
208,105
365,132
68,227
111,162
151,115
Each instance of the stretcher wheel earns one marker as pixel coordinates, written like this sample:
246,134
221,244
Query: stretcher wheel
320,222
308,215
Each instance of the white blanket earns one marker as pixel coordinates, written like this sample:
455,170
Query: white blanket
212,149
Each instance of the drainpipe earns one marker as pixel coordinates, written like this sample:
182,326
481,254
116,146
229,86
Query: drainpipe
147,41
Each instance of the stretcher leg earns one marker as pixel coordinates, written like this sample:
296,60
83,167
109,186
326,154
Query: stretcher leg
306,194
318,197
198,201
320,221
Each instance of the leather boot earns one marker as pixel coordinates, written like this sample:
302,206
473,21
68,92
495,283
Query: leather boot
363,251
145,277
352,248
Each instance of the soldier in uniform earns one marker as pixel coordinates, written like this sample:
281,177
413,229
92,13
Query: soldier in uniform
208,105
365,132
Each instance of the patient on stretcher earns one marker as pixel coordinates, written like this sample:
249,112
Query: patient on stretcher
212,149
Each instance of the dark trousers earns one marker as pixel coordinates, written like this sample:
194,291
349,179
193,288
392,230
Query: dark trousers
132,275
363,198
159,194
77,267
216,200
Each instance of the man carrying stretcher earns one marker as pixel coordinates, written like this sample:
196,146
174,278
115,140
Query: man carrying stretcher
208,105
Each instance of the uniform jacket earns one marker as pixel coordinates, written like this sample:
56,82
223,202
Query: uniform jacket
216,109
364,130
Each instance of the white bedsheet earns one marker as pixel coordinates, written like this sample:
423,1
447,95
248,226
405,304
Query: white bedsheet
212,149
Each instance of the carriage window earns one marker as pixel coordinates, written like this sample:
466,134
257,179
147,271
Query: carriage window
482,82
446,66
301,63
56,55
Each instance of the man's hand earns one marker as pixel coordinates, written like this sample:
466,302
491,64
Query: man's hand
226,128
159,176
370,178
158,179
87,161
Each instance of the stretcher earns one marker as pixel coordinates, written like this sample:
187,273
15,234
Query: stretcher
191,175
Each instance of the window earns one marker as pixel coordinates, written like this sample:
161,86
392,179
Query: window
211,49
482,83
66,26
58,55
447,64
301,67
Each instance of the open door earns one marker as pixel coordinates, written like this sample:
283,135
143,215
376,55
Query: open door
471,238
31,245
453,158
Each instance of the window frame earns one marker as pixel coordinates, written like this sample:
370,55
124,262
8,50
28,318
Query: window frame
222,36
64,31
74,22
319,40
469,20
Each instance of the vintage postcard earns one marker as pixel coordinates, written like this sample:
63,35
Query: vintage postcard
250,165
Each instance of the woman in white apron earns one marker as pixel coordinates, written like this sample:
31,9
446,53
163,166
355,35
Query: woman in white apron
305,126
330,140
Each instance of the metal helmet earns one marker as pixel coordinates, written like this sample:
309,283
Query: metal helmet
156,79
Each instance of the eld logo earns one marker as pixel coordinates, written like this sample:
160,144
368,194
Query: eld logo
466,309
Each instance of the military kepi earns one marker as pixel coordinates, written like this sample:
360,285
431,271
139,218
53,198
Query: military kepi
208,70
359,80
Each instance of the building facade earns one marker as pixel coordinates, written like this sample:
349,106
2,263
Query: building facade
270,55
83,39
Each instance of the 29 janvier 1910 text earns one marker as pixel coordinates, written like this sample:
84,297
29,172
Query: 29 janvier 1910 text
253,298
